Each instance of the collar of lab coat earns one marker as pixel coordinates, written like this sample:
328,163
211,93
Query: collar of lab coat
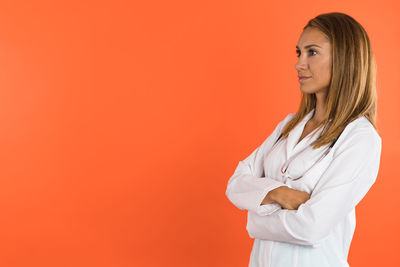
292,146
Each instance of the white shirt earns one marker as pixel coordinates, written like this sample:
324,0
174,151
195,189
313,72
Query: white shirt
320,231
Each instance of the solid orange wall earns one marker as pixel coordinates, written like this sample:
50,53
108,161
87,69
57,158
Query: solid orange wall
122,122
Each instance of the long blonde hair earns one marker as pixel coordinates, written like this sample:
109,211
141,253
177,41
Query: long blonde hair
352,89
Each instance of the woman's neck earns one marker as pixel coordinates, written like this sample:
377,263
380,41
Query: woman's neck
320,108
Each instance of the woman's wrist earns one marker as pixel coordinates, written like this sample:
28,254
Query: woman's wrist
277,193
273,196
267,199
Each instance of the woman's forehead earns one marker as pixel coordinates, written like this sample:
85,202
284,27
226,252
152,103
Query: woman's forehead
312,37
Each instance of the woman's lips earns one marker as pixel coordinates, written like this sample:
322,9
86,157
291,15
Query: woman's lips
303,78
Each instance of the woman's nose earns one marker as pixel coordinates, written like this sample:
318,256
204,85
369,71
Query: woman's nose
300,65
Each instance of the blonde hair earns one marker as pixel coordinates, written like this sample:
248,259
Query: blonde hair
352,89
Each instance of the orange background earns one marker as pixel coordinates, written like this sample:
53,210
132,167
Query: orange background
122,122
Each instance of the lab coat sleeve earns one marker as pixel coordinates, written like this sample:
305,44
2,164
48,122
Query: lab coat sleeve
246,189
350,175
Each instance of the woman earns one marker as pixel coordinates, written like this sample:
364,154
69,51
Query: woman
301,185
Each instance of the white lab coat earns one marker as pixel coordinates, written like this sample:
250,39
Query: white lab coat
319,232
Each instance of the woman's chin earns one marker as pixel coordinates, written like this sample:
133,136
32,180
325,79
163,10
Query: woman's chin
303,90
306,90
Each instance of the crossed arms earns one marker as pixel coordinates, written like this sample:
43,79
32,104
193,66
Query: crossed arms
341,187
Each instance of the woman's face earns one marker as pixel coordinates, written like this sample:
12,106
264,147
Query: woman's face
314,61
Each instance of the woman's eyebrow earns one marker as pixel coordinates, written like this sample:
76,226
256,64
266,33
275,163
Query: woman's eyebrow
307,46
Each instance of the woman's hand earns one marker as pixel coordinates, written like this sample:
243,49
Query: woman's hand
287,197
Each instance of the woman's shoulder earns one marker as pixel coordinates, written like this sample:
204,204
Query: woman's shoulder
362,125
359,132
289,116
286,119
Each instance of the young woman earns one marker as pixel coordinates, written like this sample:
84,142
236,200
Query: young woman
302,184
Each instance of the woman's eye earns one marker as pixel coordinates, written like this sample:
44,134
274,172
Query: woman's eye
311,50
